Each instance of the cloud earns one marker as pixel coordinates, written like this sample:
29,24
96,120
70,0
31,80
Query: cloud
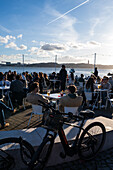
23,47
81,46
72,59
94,43
6,38
11,57
33,50
20,36
95,22
63,30
10,37
52,47
3,40
12,45
34,41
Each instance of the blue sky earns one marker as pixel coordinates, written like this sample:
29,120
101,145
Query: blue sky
71,29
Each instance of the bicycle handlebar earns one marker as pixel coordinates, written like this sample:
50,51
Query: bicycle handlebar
70,114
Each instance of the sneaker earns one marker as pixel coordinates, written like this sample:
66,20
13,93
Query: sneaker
103,106
6,125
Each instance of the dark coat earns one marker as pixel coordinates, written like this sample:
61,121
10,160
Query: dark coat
63,75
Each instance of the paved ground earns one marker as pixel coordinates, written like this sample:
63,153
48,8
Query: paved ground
104,161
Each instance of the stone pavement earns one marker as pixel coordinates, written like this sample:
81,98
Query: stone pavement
103,161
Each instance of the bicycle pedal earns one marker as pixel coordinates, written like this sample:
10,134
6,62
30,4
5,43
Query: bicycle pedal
62,155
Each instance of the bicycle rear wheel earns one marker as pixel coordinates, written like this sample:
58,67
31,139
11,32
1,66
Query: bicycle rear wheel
6,160
41,156
91,141
26,149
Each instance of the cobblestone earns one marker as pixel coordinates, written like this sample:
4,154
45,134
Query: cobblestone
103,161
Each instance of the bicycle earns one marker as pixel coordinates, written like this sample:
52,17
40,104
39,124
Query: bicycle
26,149
86,144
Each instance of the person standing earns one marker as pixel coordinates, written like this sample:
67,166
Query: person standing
96,72
105,85
63,76
71,77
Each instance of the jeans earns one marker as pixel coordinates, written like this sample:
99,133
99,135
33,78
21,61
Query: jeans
104,95
2,117
63,85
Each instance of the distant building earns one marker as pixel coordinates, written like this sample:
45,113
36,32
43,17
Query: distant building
8,63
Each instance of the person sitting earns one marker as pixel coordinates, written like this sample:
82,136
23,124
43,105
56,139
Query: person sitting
33,96
111,82
41,82
2,120
81,79
90,87
105,85
46,81
2,116
90,84
99,79
17,90
6,82
70,100
23,79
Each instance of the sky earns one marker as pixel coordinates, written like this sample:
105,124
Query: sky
72,30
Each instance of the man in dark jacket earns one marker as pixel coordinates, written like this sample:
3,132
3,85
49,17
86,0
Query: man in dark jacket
63,76
96,72
17,90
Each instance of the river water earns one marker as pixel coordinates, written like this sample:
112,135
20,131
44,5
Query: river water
78,71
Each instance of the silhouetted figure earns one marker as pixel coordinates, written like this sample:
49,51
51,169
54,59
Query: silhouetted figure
63,76
96,72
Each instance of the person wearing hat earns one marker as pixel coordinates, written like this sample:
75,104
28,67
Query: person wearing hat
63,76
71,99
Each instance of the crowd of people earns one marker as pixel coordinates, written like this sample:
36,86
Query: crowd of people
33,85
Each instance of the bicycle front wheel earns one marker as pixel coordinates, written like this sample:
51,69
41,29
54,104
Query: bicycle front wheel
91,141
41,156
26,149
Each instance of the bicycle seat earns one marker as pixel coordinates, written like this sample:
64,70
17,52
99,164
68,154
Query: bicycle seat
87,113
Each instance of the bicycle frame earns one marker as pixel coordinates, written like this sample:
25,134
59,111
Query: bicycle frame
69,150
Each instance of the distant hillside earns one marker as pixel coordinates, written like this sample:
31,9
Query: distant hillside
69,65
